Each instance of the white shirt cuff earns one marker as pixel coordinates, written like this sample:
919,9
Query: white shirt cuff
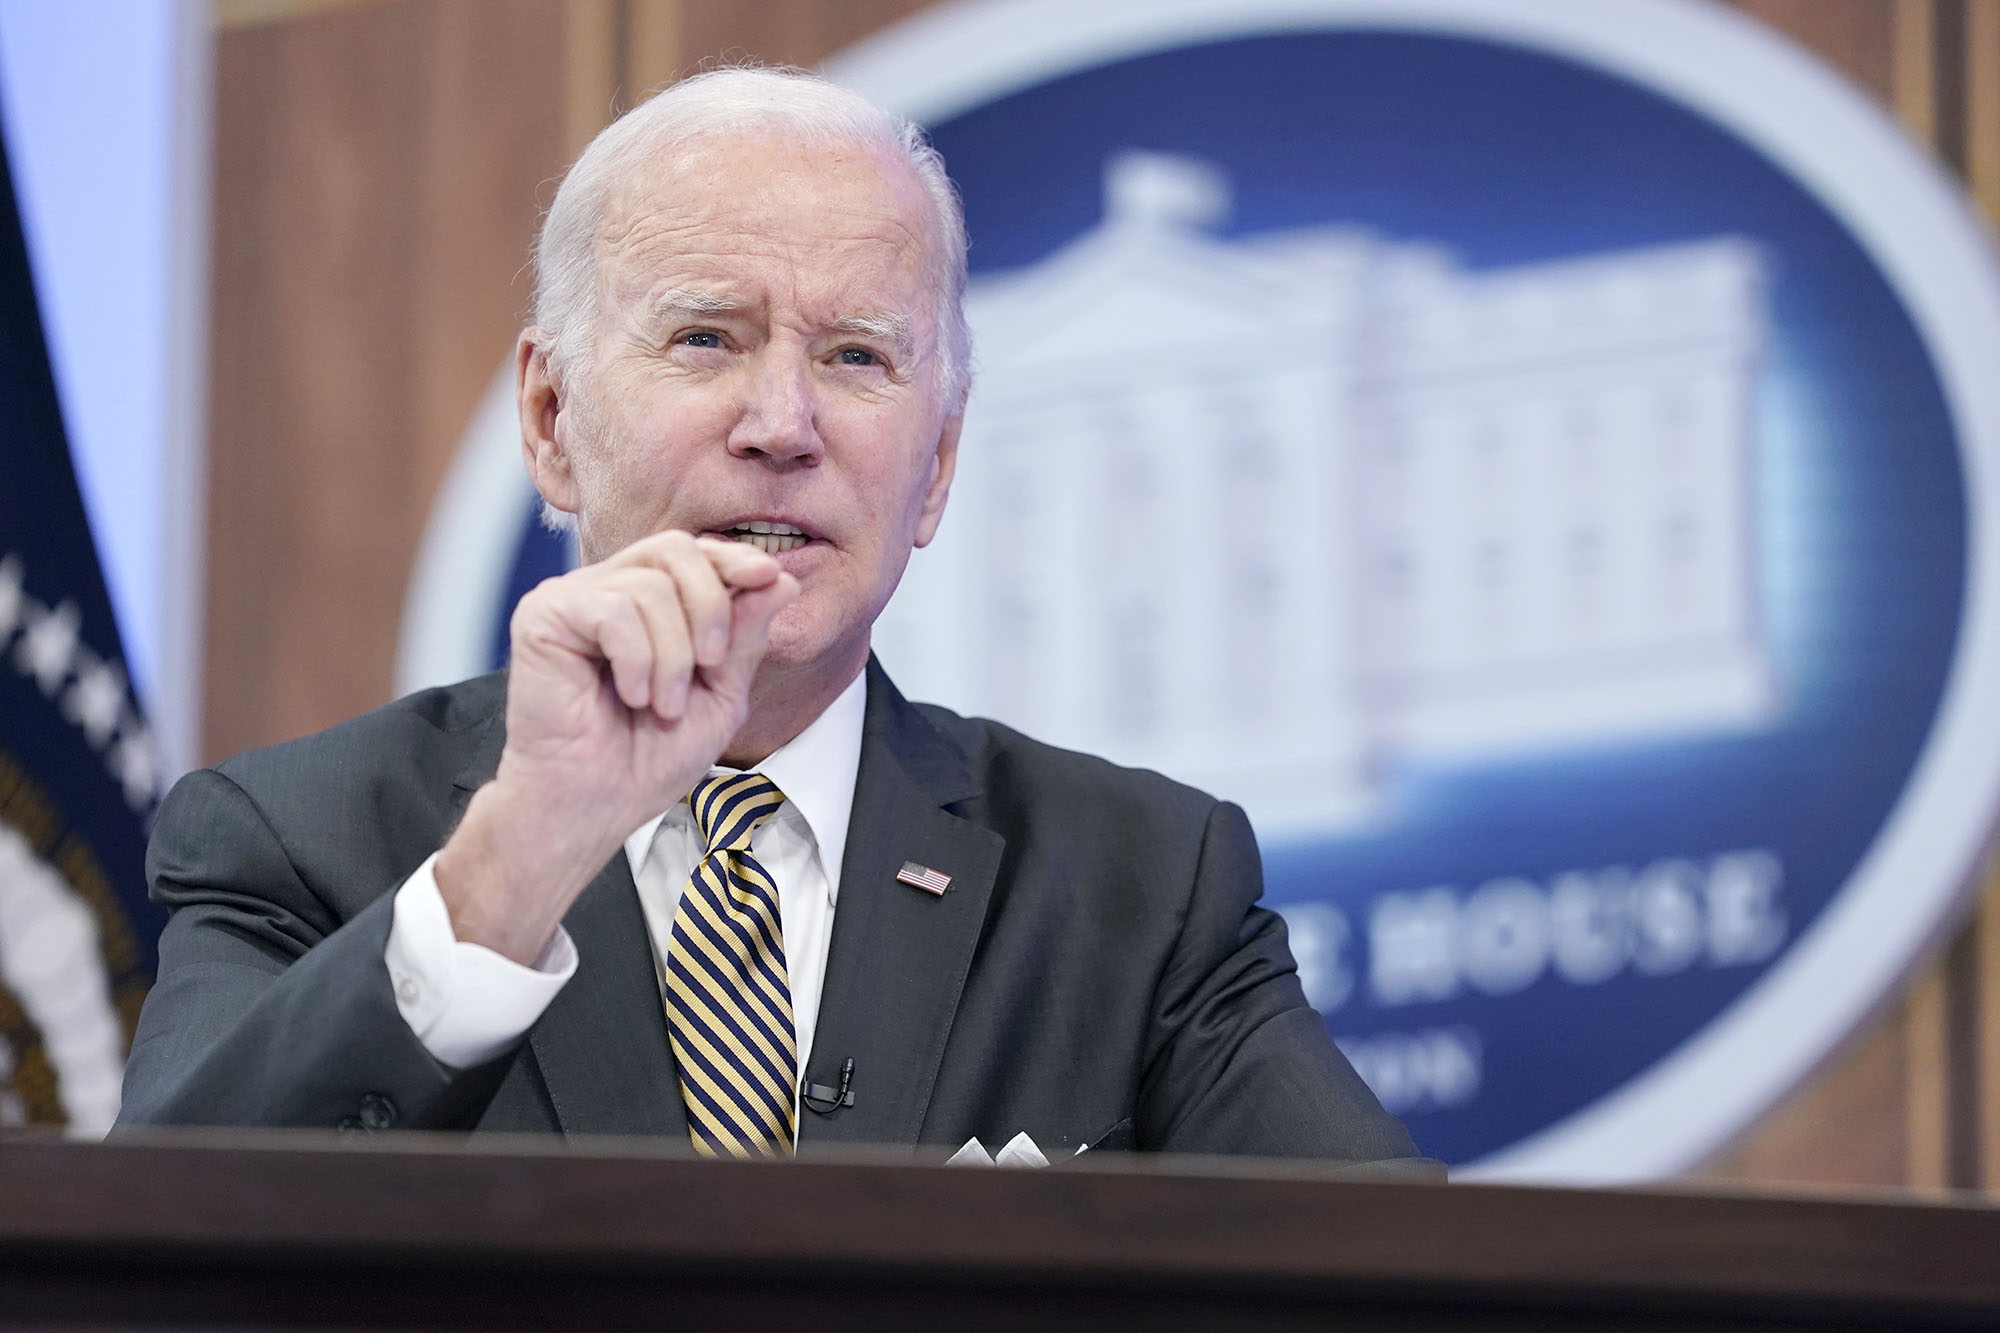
465,1002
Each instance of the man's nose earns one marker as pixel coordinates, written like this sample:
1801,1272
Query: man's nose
779,420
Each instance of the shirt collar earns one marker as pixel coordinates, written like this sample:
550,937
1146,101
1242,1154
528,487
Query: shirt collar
816,771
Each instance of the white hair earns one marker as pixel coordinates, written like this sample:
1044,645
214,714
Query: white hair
733,101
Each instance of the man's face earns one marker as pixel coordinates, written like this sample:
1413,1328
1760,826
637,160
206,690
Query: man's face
766,354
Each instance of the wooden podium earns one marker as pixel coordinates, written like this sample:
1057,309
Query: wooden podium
281,1230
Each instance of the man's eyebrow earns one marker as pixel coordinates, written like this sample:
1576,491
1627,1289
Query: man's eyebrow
892,329
684,303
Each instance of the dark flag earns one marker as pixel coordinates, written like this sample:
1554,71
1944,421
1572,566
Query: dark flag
78,773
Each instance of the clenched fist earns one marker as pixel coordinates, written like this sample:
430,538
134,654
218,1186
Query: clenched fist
627,679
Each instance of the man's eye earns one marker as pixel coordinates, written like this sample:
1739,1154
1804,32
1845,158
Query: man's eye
858,356
701,338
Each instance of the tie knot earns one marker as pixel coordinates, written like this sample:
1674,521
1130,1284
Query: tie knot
729,807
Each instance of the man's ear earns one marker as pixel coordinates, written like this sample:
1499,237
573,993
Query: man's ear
943,464
541,402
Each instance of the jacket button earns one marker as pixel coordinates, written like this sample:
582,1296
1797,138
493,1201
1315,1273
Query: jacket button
377,1111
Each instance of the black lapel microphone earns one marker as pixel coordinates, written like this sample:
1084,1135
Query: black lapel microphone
823,1100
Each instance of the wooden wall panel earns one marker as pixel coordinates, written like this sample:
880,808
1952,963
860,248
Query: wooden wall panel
377,177
1854,36
380,164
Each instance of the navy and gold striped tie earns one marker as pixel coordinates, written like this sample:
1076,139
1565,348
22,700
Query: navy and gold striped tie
729,1000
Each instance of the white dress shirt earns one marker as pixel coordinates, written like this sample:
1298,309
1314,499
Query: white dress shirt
467,1004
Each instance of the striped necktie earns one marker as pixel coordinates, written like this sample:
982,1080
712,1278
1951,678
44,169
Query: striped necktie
729,1001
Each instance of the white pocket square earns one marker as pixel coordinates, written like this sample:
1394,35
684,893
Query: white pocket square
1020,1151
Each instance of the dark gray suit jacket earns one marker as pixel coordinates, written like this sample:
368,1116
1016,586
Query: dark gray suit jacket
1097,972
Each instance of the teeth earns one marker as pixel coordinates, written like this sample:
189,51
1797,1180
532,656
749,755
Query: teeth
769,538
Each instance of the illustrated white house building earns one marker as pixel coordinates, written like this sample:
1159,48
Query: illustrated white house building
1270,514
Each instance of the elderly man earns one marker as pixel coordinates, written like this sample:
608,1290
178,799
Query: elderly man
695,868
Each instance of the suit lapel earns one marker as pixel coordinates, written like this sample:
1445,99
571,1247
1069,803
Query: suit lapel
899,955
601,1045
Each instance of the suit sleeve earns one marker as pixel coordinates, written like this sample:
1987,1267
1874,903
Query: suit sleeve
270,1010
1244,1064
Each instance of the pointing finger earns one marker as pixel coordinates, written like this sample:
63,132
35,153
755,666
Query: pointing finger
751,614
704,600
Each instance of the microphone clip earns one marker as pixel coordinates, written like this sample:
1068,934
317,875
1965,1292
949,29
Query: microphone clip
824,1100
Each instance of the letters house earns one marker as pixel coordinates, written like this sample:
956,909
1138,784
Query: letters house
1546,472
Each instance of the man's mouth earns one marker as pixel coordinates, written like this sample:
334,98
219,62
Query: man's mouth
770,538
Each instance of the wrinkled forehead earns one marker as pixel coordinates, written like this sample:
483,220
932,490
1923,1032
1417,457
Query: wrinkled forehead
815,202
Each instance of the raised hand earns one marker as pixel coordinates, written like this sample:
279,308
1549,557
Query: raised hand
627,679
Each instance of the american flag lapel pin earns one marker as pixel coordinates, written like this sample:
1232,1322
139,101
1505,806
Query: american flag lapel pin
923,877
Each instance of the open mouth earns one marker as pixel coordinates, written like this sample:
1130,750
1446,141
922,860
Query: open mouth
770,538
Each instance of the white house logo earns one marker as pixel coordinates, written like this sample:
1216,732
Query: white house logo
1484,513
1538,457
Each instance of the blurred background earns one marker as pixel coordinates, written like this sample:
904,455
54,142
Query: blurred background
1606,660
